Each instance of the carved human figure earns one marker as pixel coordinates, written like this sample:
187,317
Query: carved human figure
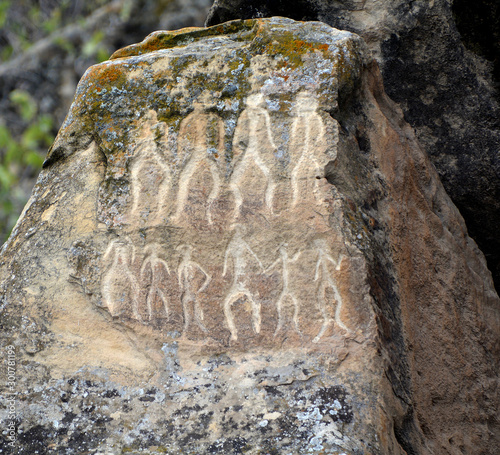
120,289
326,281
193,280
151,177
238,250
252,139
307,145
201,138
286,292
157,270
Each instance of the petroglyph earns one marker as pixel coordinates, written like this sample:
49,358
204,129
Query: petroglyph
188,189
151,176
191,286
177,180
201,142
286,292
252,140
158,271
119,285
237,250
326,281
307,145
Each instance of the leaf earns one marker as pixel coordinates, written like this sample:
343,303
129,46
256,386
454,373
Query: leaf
4,9
91,47
52,24
25,104
38,134
102,55
7,179
31,137
6,52
13,153
34,159
5,137
64,44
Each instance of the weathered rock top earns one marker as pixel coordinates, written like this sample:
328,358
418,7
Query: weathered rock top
242,30
232,45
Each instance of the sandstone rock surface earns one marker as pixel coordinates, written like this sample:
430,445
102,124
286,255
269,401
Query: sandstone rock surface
237,245
447,93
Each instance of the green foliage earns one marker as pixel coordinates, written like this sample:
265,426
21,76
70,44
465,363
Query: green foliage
23,23
22,153
25,104
126,10
95,47
4,7
54,22
65,44
10,203
35,14
6,52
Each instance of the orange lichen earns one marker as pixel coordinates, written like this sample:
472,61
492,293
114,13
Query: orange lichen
287,45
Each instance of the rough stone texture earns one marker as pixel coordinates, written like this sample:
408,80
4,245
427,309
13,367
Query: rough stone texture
446,92
237,246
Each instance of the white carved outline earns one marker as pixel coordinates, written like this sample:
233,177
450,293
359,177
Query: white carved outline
237,248
252,134
307,118
286,292
325,281
153,261
196,145
147,156
185,274
123,252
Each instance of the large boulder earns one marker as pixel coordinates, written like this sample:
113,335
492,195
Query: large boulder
237,245
448,93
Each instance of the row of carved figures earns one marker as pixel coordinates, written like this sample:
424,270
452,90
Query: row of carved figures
121,285
201,143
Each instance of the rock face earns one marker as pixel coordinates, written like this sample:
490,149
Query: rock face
237,246
446,92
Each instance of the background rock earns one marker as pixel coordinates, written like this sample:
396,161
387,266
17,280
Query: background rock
257,144
448,92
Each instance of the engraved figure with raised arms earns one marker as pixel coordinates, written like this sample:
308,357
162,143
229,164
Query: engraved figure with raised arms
326,281
238,249
193,280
